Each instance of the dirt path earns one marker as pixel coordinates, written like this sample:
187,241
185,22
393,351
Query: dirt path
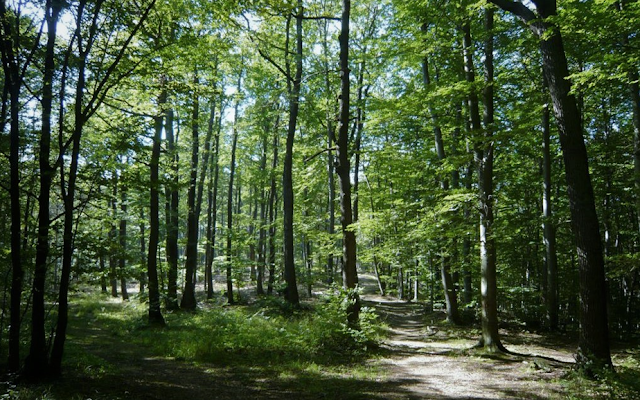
420,360
428,362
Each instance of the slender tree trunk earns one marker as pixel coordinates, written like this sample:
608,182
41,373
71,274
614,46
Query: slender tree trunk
143,250
272,216
232,169
123,243
331,223
483,156
172,209
36,365
343,169
214,203
155,315
549,232
450,295
291,289
188,295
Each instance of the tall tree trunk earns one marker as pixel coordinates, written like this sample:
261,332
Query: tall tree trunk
343,169
172,208
450,295
214,204
291,289
331,223
550,278
36,364
593,344
189,295
155,314
123,243
272,216
143,250
232,170
483,155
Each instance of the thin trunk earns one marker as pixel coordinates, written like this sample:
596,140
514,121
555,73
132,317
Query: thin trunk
13,82
450,295
550,278
195,194
291,289
483,155
343,169
155,315
214,203
123,244
232,169
172,209
272,216
143,250
36,364
330,157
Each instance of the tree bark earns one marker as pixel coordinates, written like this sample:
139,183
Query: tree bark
155,314
232,169
343,169
172,208
593,344
291,289
549,231
189,295
36,365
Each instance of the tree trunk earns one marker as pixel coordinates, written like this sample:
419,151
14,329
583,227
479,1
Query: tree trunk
483,155
172,209
123,244
143,250
330,157
214,204
155,315
550,278
291,289
36,365
232,169
189,295
593,344
343,169
450,295
272,216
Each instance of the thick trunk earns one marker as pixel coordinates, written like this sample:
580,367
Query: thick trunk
594,331
343,170
188,295
593,345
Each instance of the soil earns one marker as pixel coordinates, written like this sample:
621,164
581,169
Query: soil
420,359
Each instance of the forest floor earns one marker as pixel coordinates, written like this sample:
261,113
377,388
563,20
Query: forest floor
420,358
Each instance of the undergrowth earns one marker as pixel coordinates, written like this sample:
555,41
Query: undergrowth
266,332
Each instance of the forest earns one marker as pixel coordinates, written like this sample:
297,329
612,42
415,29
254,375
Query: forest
320,199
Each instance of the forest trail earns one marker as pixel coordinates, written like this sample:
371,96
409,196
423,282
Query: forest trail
429,361
419,359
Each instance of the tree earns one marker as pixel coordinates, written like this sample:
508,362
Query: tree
343,170
593,347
